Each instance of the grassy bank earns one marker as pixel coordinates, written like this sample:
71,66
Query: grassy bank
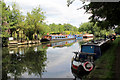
104,65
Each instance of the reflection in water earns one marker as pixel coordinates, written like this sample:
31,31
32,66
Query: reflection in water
48,60
18,61
38,61
61,43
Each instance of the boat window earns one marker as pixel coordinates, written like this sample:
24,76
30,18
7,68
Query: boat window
88,49
97,51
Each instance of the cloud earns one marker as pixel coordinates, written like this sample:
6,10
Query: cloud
56,10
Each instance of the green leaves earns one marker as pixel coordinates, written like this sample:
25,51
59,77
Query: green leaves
65,28
94,29
35,22
30,25
105,13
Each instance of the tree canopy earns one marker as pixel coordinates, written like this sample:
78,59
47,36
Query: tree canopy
89,27
18,26
106,14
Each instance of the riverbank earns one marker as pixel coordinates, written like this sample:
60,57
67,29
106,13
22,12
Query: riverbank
17,43
107,65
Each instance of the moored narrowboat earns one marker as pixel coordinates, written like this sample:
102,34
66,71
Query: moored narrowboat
79,36
83,61
88,35
57,37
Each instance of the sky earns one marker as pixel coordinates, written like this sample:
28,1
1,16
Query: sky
56,11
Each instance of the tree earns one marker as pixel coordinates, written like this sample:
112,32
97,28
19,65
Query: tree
5,19
54,27
44,29
61,28
94,29
20,26
117,30
14,18
106,14
68,27
34,21
87,27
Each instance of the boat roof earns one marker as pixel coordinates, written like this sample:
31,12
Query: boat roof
56,35
96,42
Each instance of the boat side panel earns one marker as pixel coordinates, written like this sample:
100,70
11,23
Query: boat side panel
87,48
62,37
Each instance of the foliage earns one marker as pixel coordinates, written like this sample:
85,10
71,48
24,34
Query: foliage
89,27
34,22
117,30
106,14
26,60
4,41
14,24
15,18
53,27
65,28
5,19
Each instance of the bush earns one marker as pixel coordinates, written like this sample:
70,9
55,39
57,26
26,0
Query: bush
4,41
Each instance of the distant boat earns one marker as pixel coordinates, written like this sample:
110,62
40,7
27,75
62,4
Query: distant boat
88,35
79,36
87,39
57,37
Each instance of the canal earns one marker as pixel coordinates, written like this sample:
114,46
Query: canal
47,60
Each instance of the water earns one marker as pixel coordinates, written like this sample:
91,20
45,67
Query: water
50,60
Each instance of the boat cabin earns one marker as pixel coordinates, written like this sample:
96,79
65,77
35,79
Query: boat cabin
96,47
83,61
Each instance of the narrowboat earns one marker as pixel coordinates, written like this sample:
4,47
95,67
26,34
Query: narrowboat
79,36
57,37
83,61
88,35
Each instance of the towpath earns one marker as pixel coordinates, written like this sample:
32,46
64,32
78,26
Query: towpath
117,63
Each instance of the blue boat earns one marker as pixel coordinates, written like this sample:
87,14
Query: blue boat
79,36
83,61
59,37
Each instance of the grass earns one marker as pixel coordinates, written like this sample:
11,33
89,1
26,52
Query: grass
104,65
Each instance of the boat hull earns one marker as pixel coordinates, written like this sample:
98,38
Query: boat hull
55,40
